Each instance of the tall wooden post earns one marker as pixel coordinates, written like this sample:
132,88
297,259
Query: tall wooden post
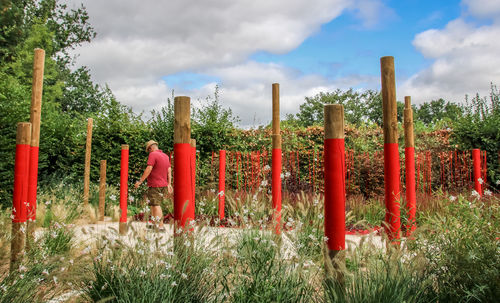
334,174
276,159
35,117
20,195
102,190
183,206
86,174
122,226
391,152
411,198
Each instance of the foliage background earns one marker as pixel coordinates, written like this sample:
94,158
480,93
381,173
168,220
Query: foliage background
70,98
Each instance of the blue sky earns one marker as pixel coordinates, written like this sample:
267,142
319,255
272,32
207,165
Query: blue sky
442,49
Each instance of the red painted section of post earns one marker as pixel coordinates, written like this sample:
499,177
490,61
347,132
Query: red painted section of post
124,183
411,198
193,173
32,183
334,159
222,183
183,208
21,172
392,191
276,187
476,159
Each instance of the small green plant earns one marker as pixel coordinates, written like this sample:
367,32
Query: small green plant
57,239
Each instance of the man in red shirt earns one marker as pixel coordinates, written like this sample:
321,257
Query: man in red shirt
159,176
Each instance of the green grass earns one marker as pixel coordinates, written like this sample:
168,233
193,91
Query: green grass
454,256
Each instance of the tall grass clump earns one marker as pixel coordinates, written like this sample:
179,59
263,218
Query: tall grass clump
257,272
463,251
378,276
123,273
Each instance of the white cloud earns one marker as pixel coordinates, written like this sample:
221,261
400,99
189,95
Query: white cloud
483,8
372,12
246,89
139,39
465,59
139,42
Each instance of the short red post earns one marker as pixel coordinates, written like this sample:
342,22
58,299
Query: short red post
334,177
391,150
123,188
183,208
222,183
476,160
20,194
276,159
411,198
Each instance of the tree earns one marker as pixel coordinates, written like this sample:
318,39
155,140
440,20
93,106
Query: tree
359,107
479,127
212,125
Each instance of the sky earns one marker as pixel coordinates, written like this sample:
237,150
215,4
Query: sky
145,49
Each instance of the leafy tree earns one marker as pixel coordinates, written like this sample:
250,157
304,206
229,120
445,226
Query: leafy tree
359,107
436,110
162,125
212,125
480,128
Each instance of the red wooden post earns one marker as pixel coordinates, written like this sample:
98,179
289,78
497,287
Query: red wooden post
20,194
391,152
35,117
476,158
411,199
123,188
276,158
222,182
334,163
183,208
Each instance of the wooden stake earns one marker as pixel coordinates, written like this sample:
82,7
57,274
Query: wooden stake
391,152
35,117
86,174
20,194
411,199
102,190
183,206
182,120
408,123
276,160
334,168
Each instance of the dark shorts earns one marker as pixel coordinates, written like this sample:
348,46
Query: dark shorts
155,195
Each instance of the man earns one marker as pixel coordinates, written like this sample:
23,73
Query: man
159,175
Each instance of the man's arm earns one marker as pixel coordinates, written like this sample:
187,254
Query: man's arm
145,175
169,180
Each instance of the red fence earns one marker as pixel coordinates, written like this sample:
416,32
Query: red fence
251,171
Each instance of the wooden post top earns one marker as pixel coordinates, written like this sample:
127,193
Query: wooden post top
389,106
23,133
334,121
408,123
276,109
36,96
182,119
125,146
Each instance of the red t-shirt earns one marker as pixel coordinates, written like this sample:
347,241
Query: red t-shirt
161,164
